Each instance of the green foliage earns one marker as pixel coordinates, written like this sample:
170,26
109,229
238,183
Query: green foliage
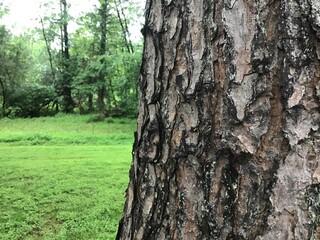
122,71
29,99
14,58
14,65
125,84
120,67
3,10
58,189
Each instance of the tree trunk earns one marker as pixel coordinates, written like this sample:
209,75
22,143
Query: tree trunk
48,49
4,97
68,103
124,26
102,91
228,139
90,103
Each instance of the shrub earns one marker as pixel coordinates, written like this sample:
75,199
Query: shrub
96,118
29,100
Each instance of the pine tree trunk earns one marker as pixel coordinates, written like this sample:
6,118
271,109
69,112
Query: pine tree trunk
228,139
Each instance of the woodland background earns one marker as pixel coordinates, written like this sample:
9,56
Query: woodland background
84,64
68,100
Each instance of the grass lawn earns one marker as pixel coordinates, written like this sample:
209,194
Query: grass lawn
63,177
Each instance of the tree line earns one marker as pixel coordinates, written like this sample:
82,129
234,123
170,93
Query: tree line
52,68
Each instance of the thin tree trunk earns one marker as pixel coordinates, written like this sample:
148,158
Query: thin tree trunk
125,21
4,97
102,91
68,103
228,138
90,103
111,97
48,48
61,27
101,98
124,27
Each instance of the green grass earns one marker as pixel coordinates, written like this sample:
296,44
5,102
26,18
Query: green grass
62,177
66,129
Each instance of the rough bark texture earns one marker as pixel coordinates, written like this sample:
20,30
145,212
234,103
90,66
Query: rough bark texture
228,139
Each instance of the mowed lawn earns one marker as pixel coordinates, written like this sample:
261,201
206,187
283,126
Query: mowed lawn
63,177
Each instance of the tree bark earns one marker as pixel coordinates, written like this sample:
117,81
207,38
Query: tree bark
228,140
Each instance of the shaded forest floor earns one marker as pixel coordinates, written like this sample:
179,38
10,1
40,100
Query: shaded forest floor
63,177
